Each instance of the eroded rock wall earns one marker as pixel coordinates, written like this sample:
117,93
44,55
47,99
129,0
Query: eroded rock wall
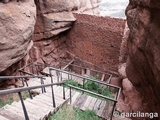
35,30
54,18
16,29
143,65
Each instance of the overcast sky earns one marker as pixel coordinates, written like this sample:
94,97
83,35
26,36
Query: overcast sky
114,1
113,8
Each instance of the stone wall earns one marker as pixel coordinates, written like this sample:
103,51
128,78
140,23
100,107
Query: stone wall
96,40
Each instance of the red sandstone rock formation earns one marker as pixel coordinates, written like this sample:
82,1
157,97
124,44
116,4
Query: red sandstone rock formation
53,18
143,66
17,23
16,28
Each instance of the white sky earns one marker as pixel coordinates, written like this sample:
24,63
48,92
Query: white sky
113,1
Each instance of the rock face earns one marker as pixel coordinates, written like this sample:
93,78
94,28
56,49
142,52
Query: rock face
143,65
54,18
17,25
16,29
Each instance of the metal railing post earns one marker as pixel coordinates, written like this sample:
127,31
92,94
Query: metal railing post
32,68
57,76
70,95
22,82
83,84
30,95
61,75
53,99
113,109
50,72
37,70
42,83
68,76
64,97
23,106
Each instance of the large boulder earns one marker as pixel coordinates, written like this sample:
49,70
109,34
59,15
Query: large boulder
17,20
143,65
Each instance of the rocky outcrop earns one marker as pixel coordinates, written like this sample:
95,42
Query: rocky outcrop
55,18
143,66
17,25
16,29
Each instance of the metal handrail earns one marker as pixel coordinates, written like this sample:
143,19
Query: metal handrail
85,77
22,70
15,90
19,90
16,77
98,95
89,69
87,91
92,70
68,64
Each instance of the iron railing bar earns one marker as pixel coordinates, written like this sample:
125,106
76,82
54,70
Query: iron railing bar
68,64
15,90
29,90
114,105
64,94
14,77
23,106
119,90
26,66
26,72
90,69
40,64
102,96
81,76
53,100
109,79
70,95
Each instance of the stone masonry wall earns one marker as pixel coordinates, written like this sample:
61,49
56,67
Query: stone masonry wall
96,40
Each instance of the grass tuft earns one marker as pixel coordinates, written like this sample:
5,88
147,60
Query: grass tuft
69,113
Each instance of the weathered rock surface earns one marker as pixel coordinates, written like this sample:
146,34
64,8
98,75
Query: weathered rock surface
54,17
143,65
16,28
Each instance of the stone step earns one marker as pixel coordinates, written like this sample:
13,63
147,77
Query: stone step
3,118
10,115
18,110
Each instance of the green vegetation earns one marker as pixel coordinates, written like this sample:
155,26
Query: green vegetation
3,103
69,113
91,86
